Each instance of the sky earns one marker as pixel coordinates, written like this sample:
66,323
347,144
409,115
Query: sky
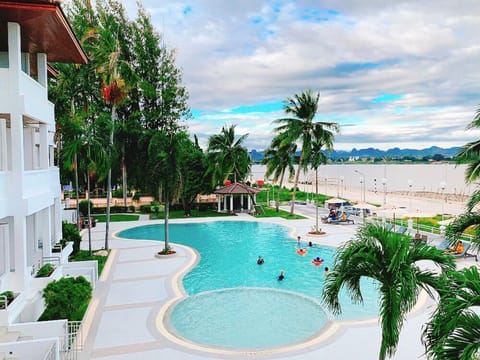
390,73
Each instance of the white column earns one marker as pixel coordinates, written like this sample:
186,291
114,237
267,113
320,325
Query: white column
22,273
44,231
29,145
3,145
56,231
218,203
249,203
44,149
231,202
241,201
42,70
14,57
224,202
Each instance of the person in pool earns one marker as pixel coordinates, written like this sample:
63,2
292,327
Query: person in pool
260,260
281,276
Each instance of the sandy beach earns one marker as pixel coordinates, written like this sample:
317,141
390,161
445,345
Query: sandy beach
401,203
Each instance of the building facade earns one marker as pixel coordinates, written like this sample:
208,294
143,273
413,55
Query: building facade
32,33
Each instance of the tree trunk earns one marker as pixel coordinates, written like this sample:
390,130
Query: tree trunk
109,178
167,208
88,215
277,203
76,191
316,199
124,178
297,175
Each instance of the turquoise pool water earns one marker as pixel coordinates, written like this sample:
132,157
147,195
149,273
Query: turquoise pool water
229,250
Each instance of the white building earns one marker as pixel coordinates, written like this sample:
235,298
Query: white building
31,33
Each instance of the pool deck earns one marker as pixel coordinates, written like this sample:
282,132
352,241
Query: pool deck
122,321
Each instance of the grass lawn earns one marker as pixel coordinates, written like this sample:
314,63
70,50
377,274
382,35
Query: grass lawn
179,214
271,212
84,255
117,217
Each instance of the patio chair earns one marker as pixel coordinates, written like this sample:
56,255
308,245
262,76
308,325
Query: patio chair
389,227
401,230
465,253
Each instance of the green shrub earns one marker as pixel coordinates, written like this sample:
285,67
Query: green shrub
131,208
45,270
137,195
83,207
66,298
71,233
117,193
9,295
118,209
145,209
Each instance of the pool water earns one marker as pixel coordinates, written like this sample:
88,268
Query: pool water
278,318
228,254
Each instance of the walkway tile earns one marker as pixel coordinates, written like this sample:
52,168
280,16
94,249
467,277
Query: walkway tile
138,291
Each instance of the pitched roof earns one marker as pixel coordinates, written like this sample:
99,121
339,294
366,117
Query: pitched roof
237,188
45,29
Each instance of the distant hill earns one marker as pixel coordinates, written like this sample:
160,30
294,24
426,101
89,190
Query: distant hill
396,152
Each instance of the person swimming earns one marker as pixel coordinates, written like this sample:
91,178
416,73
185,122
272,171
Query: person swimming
281,276
260,260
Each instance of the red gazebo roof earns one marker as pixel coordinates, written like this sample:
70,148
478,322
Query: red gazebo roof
45,29
237,189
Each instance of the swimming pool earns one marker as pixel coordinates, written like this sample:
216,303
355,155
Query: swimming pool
229,250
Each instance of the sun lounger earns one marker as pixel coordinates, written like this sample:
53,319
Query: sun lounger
401,230
389,227
465,253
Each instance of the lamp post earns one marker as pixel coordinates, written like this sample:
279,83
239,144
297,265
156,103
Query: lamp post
443,185
362,183
384,183
341,184
410,184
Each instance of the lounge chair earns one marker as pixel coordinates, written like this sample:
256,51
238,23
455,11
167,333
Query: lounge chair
401,230
388,227
464,253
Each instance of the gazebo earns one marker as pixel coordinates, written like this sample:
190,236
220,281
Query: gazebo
236,193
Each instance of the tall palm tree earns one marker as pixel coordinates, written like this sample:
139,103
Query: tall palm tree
392,260
278,159
317,157
454,329
90,150
227,156
302,127
469,153
164,153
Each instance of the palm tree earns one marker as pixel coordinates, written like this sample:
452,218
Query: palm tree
454,329
164,152
228,157
278,159
469,153
90,148
317,157
302,127
391,259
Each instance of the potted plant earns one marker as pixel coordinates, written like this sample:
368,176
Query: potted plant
45,271
166,251
6,298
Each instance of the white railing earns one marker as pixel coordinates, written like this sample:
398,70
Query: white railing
52,353
73,341
48,178
36,99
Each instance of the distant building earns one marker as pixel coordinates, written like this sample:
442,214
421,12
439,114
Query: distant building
31,33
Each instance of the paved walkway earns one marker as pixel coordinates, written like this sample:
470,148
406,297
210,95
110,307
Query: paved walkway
122,320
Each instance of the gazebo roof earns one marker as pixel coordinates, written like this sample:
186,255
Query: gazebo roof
237,189
45,29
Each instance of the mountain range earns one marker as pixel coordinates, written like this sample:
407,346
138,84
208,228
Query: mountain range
377,153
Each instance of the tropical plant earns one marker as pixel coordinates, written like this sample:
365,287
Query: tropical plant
66,298
228,158
303,128
278,158
321,139
392,260
71,233
45,270
164,168
453,332
90,148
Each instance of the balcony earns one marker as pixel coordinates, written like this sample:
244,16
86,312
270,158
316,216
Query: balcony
3,194
36,100
40,187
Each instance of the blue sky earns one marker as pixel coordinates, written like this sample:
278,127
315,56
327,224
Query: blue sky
391,73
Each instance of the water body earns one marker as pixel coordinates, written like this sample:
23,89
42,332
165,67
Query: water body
437,178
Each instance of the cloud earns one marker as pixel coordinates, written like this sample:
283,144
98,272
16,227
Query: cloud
419,58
